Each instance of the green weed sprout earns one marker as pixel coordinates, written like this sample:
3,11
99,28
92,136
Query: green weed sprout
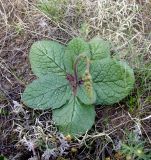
74,78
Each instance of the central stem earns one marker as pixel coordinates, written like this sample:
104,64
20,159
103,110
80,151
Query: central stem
81,56
74,79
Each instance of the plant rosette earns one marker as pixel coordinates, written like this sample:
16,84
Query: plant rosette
73,79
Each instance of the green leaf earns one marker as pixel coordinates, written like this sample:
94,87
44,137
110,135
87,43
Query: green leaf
51,91
74,48
86,95
2,157
74,118
86,91
46,57
113,80
99,49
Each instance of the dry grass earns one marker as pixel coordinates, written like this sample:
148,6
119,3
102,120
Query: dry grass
125,23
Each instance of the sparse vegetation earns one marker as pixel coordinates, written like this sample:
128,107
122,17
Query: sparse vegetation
28,134
133,148
54,9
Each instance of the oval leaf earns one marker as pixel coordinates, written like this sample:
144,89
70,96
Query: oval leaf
86,97
74,48
51,91
99,49
113,80
46,57
74,118
86,91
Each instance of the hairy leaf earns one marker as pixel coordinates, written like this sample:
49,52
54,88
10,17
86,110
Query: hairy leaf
113,80
74,48
99,49
86,91
51,91
74,118
46,57
86,95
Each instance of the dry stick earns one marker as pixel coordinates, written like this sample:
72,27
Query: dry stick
137,120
